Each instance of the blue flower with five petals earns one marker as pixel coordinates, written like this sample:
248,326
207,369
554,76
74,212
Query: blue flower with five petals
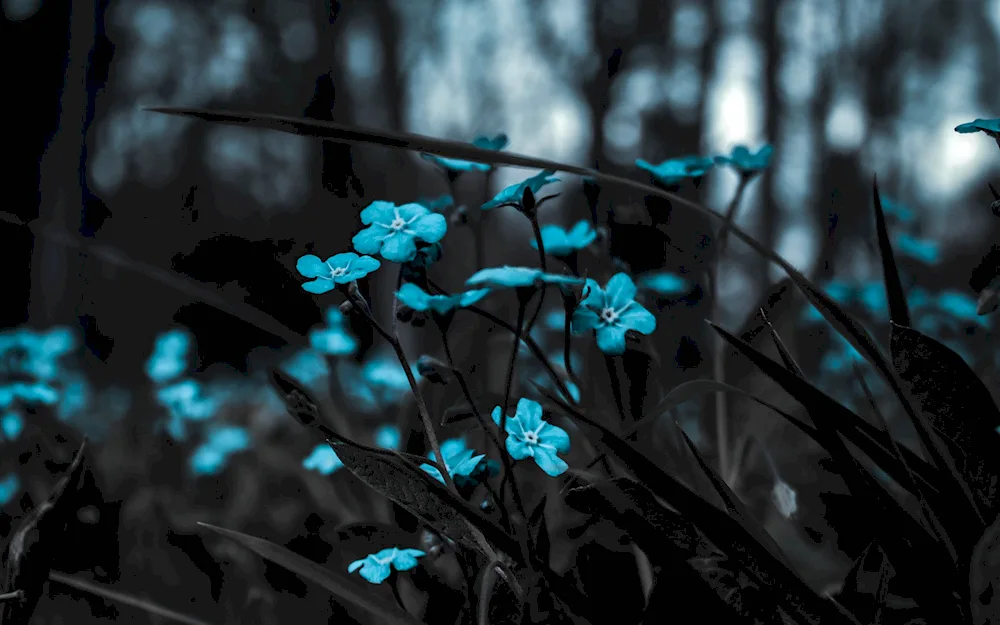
323,460
517,277
989,126
335,338
561,242
663,283
338,269
612,311
512,195
376,567
388,437
745,162
529,436
416,298
211,456
454,166
459,460
393,231
169,357
10,486
676,170
11,426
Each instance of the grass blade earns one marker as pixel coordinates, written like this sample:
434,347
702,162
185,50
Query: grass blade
898,310
122,598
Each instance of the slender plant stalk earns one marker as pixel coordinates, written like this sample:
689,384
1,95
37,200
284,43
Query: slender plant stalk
544,265
425,416
718,362
522,306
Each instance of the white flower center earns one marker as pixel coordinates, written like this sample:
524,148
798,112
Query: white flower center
609,315
338,271
397,224
531,438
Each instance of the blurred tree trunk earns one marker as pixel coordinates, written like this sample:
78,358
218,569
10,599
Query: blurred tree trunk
58,279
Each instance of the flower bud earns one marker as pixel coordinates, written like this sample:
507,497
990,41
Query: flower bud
346,308
433,370
460,216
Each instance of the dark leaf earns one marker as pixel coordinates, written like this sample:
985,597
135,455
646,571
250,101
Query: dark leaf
958,406
786,356
989,298
398,478
607,576
122,598
984,577
898,310
498,603
787,588
776,300
307,569
37,541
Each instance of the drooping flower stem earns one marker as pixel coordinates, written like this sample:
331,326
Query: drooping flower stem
542,261
523,297
609,363
425,417
536,351
718,361
504,460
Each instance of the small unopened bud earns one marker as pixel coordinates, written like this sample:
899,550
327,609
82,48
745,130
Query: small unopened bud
433,370
460,216
528,201
346,308
486,505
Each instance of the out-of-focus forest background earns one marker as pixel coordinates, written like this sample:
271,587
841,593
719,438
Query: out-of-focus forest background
119,223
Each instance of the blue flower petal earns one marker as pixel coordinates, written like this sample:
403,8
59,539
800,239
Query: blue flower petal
311,266
429,228
413,296
319,286
369,240
375,572
611,340
555,437
528,414
549,462
638,318
620,291
360,268
378,211
399,248
980,124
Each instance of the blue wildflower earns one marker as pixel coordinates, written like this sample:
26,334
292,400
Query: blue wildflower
74,397
517,277
438,204
611,312
897,210
674,171
529,436
663,283
561,242
28,393
745,162
323,460
169,357
960,306
211,456
512,195
186,401
989,126
924,250
307,366
872,296
393,231
416,298
386,376
376,567
454,166
10,486
335,337
11,426
338,269
35,354
459,460
388,437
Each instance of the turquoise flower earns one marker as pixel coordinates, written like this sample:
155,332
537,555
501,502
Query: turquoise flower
10,486
335,338
323,460
307,366
676,170
338,269
960,306
169,357
438,204
528,436
892,208
924,250
186,401
663,283
512,195
989,126
517,277
376,567
211,456
454,166
745,162
388,437
561,242
393,231
35,354
459,460
28,393
611,312
11,426
416,298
